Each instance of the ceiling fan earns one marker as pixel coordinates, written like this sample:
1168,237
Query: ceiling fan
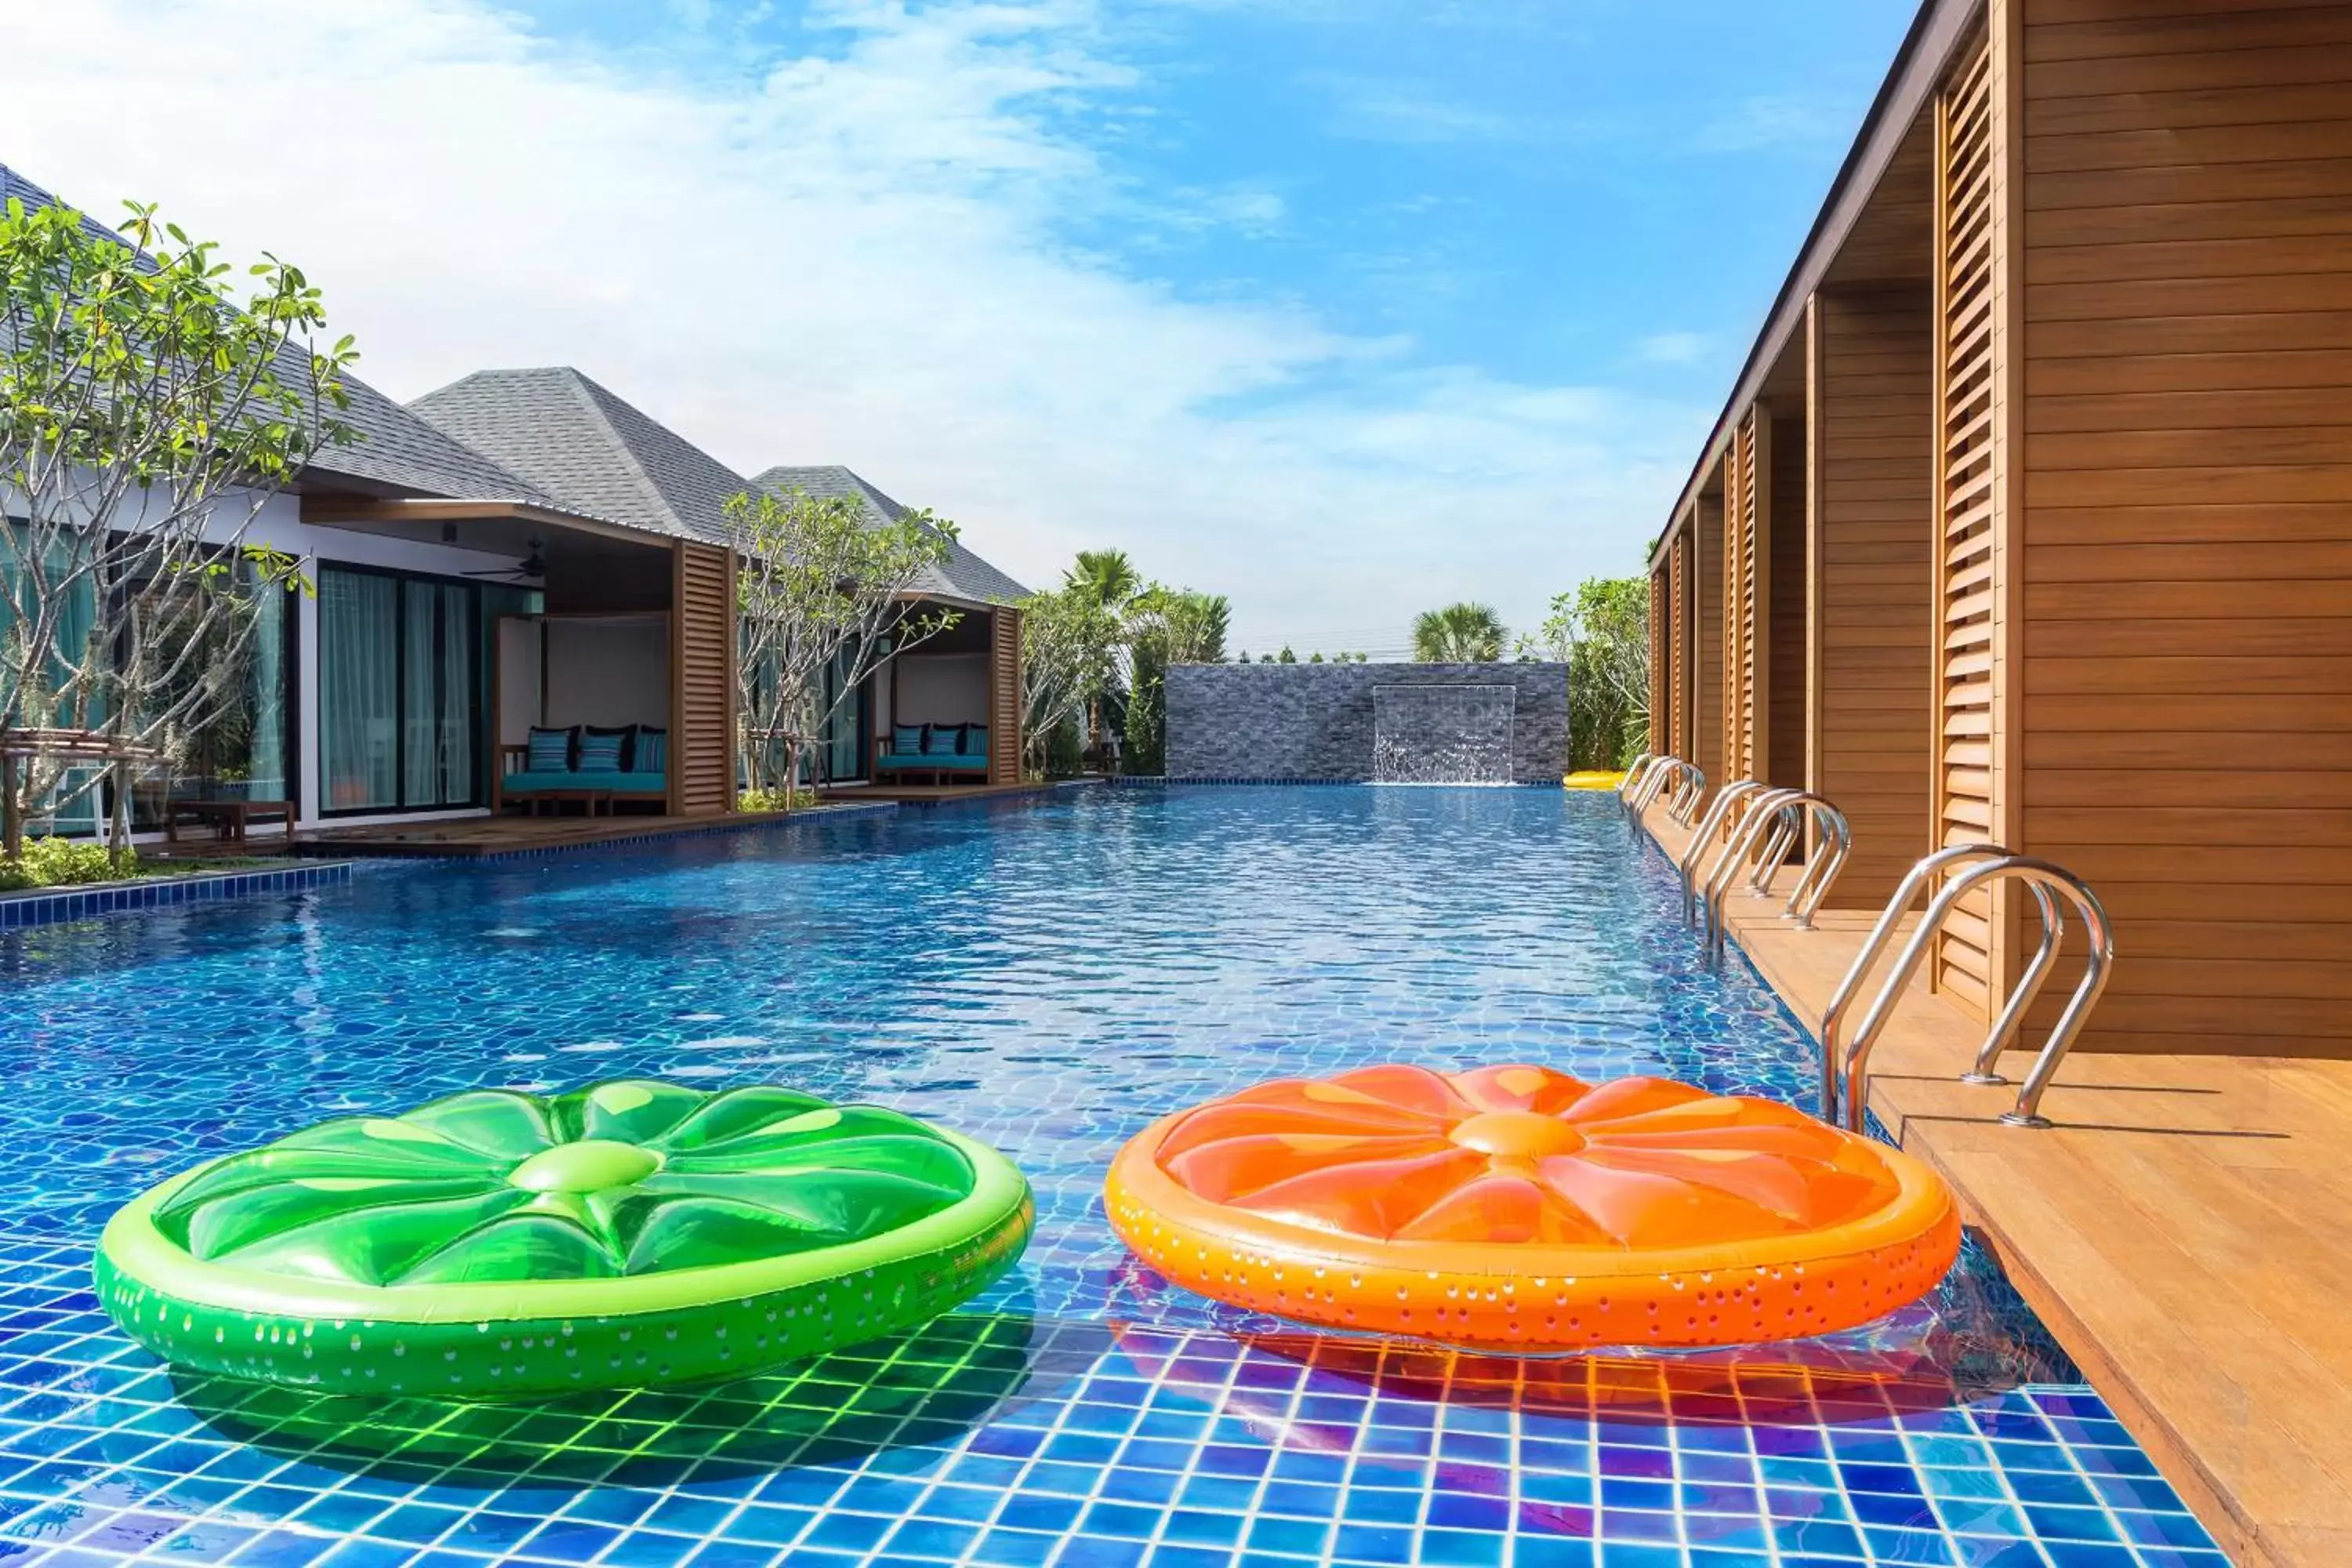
531,568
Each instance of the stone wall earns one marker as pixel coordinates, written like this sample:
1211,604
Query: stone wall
1315,720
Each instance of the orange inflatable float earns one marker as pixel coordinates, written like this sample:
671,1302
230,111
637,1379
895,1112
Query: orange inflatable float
1518,1208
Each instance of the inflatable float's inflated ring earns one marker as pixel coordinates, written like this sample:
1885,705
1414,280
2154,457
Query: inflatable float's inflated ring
1515,1208
495,1244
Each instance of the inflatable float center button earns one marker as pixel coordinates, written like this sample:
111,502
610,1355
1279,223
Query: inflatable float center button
1517,1135
590,1166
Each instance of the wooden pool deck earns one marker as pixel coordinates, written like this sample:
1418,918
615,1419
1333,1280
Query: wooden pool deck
474,837
940,794
2185,1231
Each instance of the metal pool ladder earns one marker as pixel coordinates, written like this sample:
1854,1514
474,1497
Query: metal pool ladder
1991,863
1774,822
1680,783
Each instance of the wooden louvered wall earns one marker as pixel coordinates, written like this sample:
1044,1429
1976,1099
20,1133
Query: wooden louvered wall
1739,760
1661,653
1782,552
1006,710
1970,501
1676,716
1704,695
1874,578
702,673
2187,558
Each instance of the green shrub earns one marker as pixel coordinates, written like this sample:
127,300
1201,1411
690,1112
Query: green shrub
65,862
775,800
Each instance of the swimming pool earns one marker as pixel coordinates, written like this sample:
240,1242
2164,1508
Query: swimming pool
1047,977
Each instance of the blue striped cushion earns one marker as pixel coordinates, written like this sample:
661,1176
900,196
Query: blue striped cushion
551,752
907,740
975,741
942,739
652,750
601,753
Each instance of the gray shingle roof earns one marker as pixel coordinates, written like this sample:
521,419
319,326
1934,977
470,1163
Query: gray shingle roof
396,454
964,575
589,450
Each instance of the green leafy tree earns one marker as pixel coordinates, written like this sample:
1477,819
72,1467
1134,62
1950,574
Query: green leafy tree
1108,579
1069,658
1164,627
1602,631
1458,634
148,409
821,585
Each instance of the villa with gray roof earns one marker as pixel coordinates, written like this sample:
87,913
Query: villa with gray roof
523,551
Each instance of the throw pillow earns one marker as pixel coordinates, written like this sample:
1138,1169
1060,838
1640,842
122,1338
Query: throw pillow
551,751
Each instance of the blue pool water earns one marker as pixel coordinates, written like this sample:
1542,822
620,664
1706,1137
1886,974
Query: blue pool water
1048,976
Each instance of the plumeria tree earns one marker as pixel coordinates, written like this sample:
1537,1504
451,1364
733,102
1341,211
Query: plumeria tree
1069,658
148,408
822,585
1602,631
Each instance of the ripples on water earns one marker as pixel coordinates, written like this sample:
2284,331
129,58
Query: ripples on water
1046,975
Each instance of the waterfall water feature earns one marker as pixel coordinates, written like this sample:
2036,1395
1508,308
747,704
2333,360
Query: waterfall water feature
1454,734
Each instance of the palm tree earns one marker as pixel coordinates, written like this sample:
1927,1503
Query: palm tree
1458,634
1108,580
1106,576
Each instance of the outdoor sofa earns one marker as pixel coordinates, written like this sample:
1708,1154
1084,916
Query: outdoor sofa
592,764
945,751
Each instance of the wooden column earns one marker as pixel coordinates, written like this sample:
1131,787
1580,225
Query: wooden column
1006,710
1872,524
703,680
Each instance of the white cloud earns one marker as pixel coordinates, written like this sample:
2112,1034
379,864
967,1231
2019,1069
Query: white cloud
859,259
1672,348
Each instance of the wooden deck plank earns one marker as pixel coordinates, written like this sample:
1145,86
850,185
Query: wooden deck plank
473,836
2185,1232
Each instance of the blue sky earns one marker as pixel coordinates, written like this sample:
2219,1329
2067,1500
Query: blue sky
1341,309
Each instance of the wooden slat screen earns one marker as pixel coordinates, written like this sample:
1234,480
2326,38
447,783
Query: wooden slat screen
1740,596
1006,710
1675,716
1662,738
1703,696
1968,318
702,665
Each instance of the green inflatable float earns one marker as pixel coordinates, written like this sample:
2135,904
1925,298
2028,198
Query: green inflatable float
495,1244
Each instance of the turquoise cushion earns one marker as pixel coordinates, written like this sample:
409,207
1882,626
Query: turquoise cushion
651,752
550,751
893,762
907,740
975,739
600,751
617,782
942,739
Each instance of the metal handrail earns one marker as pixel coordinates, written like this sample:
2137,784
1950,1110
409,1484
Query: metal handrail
1786,812
1635,774
1821,868
1683,778
2046,878
1882,931
1654,783
1737,789
1692,790
1755,814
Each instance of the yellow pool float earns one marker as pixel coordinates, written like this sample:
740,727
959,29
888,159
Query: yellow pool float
1594,778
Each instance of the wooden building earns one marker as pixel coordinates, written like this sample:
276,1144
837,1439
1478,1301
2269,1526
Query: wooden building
2029,517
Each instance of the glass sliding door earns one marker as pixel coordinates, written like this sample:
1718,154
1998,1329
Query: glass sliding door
400,692
358,689
437,694
842,758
